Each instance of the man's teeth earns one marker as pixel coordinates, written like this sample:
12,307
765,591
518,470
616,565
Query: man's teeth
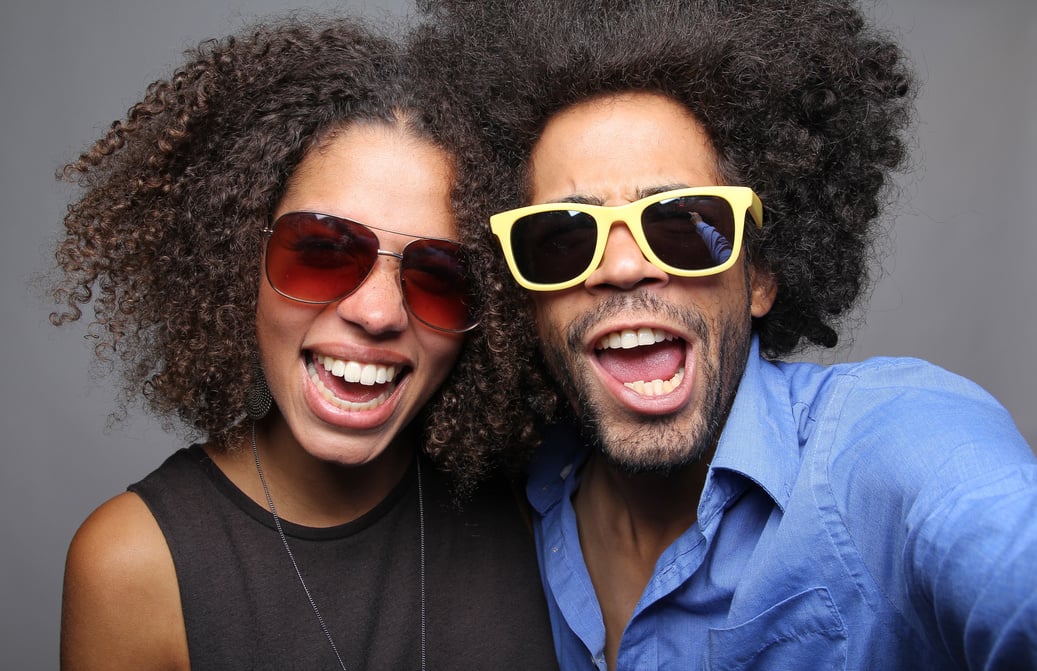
367,374
657,387
629,338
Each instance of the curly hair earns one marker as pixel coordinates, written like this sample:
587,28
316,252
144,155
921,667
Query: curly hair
805,101
166,237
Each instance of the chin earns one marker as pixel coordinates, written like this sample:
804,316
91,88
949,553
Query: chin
652,446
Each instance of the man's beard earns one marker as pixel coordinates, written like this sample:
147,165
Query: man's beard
655,444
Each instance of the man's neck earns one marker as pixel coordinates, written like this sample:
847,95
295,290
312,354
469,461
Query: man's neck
625,524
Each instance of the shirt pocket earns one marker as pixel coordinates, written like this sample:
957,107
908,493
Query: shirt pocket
804,631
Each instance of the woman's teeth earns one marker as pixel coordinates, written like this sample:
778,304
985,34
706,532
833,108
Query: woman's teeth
367,374
629,338
354,372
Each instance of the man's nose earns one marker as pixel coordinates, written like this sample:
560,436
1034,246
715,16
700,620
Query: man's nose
623,264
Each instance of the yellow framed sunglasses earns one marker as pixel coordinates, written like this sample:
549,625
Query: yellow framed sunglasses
689,232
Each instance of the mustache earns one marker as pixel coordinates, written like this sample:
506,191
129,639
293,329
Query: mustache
642,301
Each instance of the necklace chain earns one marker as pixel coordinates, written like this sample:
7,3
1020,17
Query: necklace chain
298,573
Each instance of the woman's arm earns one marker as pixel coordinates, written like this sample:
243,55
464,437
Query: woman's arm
121,603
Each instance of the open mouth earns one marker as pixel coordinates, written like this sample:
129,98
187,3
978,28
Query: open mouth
649,361
353,385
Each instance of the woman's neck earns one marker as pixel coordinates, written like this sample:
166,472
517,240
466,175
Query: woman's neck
307,490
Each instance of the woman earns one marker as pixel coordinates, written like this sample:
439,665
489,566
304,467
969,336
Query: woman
269,245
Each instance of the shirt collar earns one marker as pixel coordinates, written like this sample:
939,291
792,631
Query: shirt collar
760,441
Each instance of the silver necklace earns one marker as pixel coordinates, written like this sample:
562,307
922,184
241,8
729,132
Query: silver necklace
298,573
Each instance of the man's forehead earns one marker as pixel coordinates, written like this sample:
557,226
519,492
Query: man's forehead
618,149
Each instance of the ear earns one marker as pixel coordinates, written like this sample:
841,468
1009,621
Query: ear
763,289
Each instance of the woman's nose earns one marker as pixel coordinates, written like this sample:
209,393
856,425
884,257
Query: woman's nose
377,305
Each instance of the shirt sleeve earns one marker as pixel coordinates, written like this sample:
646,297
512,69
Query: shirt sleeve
941,500
972,558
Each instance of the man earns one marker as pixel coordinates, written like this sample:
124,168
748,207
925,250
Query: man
700,183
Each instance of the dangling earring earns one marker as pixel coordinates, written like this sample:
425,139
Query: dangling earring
257,397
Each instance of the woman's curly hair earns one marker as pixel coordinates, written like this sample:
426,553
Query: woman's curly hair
166,237
804,100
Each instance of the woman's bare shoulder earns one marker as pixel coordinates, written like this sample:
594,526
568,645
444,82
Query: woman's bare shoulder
121,603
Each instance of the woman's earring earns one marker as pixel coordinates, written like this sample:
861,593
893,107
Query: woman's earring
257,397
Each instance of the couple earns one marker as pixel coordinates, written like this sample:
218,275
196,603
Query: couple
374,277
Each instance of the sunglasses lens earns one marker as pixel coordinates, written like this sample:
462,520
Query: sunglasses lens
552,247
690,232
319,259
435,284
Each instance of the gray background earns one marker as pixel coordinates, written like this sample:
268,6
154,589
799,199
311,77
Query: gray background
957,289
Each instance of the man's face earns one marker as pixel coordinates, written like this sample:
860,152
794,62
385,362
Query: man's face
657,406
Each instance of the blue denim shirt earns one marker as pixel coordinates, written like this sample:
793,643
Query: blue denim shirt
878,515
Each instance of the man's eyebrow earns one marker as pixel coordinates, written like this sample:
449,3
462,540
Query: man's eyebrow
662,188
580,199
584,199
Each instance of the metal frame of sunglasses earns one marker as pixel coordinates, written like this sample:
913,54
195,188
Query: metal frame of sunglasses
318,258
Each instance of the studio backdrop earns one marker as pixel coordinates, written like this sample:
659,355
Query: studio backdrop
957,286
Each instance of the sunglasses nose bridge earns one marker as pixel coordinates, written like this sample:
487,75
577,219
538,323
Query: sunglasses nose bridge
627,216
392,255
372,269
377,303
385,252
624,262
613,220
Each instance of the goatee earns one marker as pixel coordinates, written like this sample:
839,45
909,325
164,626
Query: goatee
655,444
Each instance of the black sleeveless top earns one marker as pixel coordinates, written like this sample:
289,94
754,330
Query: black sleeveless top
245,609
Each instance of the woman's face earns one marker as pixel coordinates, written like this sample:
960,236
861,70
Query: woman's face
381,176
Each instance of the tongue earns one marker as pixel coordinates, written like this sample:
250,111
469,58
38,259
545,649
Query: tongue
652,362
350,391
